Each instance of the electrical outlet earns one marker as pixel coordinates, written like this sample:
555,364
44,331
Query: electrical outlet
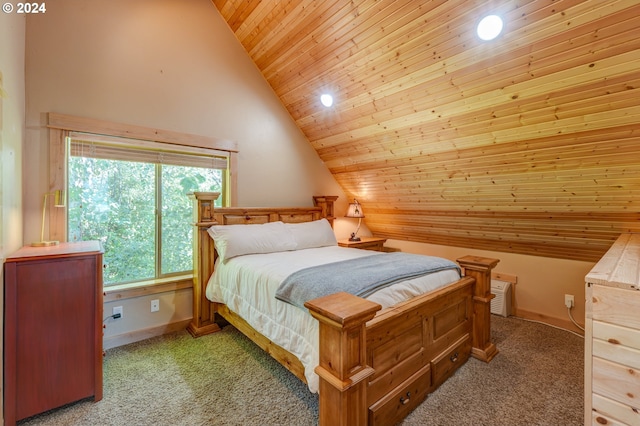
155,305
568,300
117,310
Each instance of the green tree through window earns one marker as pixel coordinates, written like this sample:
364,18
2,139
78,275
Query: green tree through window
139,211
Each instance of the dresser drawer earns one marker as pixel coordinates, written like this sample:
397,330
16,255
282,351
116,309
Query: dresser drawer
375,245
609,412
448,361
616,335
616,306
616,381
617,344
397,405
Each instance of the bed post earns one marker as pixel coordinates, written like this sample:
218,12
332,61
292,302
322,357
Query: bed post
326,203
343,356
480,269
203,321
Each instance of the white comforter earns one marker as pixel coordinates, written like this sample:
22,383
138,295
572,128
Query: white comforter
247,285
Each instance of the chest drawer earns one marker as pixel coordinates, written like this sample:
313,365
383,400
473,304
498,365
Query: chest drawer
617,344
616,381
448,361
616,306
609,412
397,405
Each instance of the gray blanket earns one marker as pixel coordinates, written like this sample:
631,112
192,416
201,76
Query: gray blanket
361,276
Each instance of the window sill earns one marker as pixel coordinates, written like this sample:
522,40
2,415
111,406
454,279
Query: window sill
145,288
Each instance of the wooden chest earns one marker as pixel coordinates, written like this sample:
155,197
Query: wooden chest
612,336
52,328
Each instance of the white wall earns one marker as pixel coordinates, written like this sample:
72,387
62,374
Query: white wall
167,64
12,118
12,36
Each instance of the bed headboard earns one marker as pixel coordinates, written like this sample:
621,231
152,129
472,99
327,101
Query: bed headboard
205,215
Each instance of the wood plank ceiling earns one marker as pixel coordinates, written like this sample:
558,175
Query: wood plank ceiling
529,143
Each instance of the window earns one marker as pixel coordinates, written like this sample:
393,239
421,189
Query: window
132,196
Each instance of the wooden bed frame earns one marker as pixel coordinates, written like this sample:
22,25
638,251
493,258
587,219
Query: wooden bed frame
375,365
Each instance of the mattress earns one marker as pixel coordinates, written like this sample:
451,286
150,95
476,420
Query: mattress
247,285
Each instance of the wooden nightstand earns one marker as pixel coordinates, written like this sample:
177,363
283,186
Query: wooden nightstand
366,243
52,328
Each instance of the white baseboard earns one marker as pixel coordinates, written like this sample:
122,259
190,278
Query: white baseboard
136,336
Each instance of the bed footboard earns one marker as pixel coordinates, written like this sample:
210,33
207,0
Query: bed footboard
376,368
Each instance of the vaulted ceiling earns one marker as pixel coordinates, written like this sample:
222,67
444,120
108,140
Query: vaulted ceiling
529,143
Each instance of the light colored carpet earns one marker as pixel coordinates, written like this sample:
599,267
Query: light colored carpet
224,379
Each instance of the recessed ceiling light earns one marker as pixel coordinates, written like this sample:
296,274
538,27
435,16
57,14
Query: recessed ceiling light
327,100
489,27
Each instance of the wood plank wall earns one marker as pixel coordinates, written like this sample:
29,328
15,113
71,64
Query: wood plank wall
527,144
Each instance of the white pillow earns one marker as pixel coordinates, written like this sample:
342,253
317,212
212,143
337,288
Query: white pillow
312,234
237,240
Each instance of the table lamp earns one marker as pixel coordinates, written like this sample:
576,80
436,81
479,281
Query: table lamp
355,210
59,201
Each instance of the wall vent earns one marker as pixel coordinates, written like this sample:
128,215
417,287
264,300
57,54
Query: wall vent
501,304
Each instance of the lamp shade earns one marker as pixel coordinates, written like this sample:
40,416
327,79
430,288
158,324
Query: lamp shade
355,210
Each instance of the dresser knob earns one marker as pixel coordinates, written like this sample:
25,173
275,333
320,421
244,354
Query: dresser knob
405,401
454,357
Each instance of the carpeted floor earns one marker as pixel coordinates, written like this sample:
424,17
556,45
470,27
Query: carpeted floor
224,379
